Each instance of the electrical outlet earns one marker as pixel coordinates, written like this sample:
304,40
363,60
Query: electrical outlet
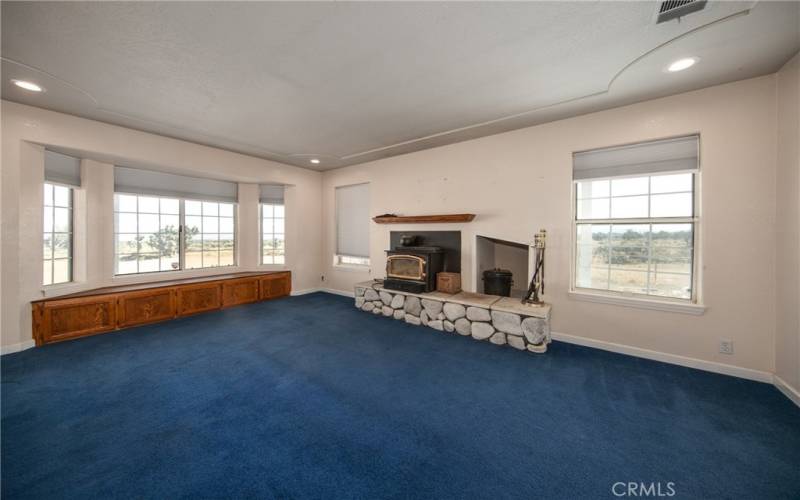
726,346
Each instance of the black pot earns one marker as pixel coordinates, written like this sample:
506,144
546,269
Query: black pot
497,282
408,240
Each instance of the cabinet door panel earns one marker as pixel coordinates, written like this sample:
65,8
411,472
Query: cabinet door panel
148,306
63,319
199,298
276,285
239,291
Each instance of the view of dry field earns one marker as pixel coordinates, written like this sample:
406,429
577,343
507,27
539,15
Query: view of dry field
654,259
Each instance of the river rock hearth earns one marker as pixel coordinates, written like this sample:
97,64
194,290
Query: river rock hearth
499,320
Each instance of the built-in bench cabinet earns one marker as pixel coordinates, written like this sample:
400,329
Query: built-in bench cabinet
107,309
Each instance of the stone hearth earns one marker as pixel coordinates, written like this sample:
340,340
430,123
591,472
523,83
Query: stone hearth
500,320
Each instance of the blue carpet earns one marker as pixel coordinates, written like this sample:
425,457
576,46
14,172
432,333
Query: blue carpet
307,397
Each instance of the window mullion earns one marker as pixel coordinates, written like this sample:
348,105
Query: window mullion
610,254
53,240
138,238
181,235
649,254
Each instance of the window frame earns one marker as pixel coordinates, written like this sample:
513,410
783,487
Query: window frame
71,234
644,300
182,234
273,233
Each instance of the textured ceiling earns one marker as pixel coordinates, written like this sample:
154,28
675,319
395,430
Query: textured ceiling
352,82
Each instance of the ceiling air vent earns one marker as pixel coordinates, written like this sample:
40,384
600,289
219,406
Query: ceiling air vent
674,9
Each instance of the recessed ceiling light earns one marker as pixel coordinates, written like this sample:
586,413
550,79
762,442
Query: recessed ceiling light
315,161
682,64
27,85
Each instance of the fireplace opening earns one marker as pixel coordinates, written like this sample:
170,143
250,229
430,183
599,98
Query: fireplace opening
493,253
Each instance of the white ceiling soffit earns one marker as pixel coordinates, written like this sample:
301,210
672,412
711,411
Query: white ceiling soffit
353,82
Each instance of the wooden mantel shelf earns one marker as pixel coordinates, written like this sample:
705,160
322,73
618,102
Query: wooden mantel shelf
422,219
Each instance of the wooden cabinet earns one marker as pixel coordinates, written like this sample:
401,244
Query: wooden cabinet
275,285
193,299
107,309
66,319
147,306
239,291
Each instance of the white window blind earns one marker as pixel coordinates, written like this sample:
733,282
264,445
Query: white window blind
352,220
151,182
272,194
669,155
62,169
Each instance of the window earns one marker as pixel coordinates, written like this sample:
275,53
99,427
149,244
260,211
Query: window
352,225
61,174
57,255
273,224
635,234
272,233
148,234
209,234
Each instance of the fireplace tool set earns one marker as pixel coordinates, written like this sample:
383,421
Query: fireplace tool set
537,282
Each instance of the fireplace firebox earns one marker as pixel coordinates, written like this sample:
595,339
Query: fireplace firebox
413,269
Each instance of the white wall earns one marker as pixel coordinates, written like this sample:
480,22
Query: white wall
520,181
517,183
27,130
787,339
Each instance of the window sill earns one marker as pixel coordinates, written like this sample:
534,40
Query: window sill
63,288
352,268
154,277
640,303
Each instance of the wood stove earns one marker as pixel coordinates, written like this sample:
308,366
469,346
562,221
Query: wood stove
413,269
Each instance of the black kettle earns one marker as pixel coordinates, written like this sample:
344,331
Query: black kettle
408,240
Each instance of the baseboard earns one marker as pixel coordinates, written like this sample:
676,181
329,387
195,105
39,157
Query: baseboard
8,349
326,290
338,292
787,390
709,366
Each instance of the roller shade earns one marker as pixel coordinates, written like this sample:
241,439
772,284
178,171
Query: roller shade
140,181
352,220
669,155
271,193
62,169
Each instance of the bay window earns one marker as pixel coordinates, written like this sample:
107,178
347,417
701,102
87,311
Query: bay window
635,219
